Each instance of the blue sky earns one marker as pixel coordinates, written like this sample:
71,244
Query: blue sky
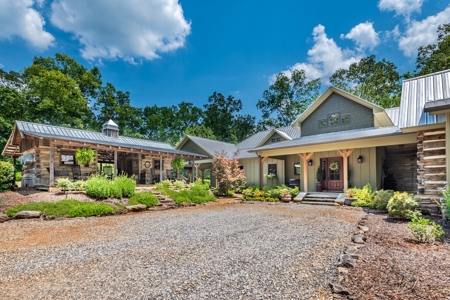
167,51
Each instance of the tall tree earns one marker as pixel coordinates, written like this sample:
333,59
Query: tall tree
378,82
219,116
201,131
56,99
287,98
435,57
244,126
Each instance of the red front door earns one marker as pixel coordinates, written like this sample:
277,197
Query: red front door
332,173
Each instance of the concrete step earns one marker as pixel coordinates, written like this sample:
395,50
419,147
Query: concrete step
322,195
307,198
317,203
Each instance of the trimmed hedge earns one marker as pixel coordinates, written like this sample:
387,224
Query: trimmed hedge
6,176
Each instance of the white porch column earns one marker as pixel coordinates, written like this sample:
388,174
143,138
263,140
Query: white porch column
304,157
345,154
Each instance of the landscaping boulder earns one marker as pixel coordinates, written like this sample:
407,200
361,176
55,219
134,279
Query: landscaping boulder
358,239
28,214
342,274
346,260
363,228
339,289
46,218
137,207
3,218
159,208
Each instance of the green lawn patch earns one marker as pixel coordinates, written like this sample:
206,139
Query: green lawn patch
64,208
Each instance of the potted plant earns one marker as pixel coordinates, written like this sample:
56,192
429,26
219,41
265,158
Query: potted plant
319,179
177,164
350,196
85,156
285,196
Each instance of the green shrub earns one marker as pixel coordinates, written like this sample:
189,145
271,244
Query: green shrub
199,193
363,196
114,190
126,185
381,198
98,187
178,184
68,207
424,230
18,176
6,176
79,185
146,198
294,191
90,209
64,184
166,183
446,206
401,204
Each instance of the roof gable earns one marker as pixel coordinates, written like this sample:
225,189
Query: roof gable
209,146
417,92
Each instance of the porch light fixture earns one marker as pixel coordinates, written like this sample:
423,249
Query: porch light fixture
58,149
360,159
310,162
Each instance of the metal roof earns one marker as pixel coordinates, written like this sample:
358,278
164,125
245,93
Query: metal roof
416,92
213,146
58,132
393,114
256,139
332,137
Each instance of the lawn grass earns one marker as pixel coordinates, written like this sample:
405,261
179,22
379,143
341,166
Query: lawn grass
64,208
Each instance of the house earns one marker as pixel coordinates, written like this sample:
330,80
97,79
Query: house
49,151
353,142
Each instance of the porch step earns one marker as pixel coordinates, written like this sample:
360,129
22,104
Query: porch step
318,203
326,198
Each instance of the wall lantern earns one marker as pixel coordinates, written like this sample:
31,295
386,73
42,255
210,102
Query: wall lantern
360,159
58,149
310,162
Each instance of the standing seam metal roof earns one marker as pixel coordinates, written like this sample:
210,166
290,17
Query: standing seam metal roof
416,92
51,131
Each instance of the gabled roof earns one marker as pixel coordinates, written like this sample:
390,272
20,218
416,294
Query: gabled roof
261,137
393,114
432,89
209,146
326,95
71,134
333,137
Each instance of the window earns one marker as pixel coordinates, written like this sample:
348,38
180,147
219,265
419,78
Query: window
296,168
241,167
156,164
345,119
272,169
275,140
67,158
333,119
323,123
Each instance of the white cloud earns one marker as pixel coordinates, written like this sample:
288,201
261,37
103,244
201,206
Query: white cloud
422,33
127,30
324,58
19,19
363,35
401,7
1,66
394,33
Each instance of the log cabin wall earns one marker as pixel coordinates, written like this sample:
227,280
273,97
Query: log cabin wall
431,173
401,168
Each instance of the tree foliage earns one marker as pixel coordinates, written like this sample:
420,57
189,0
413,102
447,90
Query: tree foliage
200,131
229,175
287,98
435,57
375,81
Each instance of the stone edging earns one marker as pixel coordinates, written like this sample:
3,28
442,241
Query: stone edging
348,260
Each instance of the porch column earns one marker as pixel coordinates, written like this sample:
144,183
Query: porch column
447,146
345,154
115,163
52,165
194,170
160,168
261,173
304,166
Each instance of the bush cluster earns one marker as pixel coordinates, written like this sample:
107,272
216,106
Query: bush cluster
65,184
424,230
6,176
146,198
100,187
381,198
18,176
196,193
364,197
402,204
64,208
271,194
446,206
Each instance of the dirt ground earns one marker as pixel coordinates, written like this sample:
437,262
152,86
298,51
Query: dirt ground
393,266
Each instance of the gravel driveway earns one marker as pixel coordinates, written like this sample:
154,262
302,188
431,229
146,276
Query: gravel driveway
234,251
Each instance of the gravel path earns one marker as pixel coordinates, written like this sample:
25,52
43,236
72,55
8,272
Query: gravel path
238,251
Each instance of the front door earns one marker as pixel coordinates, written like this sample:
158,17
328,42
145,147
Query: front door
332,173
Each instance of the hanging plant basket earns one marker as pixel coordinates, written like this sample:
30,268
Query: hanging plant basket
334,166
85,156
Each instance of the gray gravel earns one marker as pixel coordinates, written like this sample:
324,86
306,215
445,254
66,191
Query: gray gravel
230,251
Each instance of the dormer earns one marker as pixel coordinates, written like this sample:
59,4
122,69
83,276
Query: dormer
110,129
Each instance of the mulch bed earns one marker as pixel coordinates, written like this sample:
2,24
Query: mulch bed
393,266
